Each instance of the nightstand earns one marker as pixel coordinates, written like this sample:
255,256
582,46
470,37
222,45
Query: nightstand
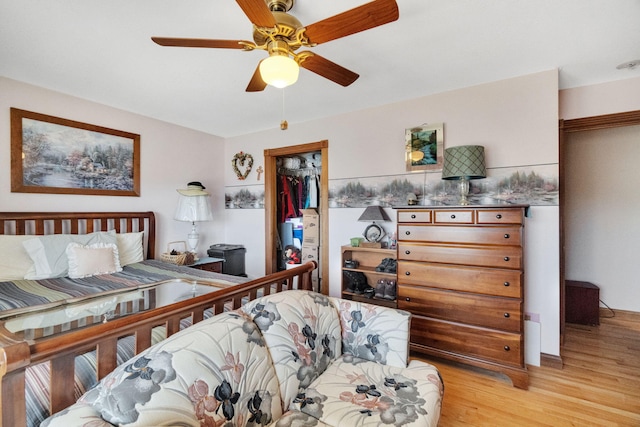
208,264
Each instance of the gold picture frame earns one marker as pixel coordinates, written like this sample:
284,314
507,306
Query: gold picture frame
60,156
424,147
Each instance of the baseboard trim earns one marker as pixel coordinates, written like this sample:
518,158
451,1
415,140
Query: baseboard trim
551,361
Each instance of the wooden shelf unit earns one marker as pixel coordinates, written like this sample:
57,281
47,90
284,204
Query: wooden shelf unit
368,259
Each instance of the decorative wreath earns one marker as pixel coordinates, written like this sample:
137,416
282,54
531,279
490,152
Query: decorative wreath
242,158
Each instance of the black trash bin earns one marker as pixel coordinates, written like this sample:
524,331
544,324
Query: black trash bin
233,256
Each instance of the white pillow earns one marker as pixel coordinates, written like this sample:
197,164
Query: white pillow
92,260
14,260
48,253
130,247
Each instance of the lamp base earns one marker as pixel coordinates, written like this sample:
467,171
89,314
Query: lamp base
192,238
464,191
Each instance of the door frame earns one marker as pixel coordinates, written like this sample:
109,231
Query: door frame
270,206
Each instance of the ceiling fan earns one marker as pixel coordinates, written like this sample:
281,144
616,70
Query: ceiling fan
281,35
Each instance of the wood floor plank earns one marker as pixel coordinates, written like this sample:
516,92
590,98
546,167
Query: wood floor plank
599,384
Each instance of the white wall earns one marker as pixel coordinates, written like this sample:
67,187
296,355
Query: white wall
605,98
171,156
517,122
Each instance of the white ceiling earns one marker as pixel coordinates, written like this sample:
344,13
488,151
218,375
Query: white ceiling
101,50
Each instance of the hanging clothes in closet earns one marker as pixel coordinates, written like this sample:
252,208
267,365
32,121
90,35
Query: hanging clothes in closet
298,189
312,190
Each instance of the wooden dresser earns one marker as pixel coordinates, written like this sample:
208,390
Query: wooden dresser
461,275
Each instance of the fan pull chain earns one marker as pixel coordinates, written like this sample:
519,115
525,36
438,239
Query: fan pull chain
283,123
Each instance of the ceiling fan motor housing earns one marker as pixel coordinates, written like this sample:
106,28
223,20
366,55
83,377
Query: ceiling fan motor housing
279,5
286,28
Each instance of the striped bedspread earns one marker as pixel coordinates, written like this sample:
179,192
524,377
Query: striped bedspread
18,294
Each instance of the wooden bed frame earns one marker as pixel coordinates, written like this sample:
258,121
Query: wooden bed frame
60,350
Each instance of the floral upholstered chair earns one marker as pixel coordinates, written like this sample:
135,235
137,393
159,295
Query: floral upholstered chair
294,358
344,363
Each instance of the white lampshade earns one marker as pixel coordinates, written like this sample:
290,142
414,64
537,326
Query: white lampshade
279,71
193,209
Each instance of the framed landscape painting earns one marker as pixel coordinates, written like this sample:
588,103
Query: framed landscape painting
424,147
54,155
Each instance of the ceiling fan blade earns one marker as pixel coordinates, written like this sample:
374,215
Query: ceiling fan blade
327,69
223,44
256,84
258,12
361,18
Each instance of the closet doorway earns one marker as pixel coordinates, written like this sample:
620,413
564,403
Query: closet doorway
273,161
567,129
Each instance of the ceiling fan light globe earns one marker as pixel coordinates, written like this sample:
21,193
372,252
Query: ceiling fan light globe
279,71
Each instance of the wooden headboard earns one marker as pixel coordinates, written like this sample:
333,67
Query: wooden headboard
41,223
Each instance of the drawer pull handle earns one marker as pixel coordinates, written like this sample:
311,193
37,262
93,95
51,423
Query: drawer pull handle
506,258
507,348
498,216
407,299
507,283
407,273
413,217
507,315
506,235
407,252
407,233
453,217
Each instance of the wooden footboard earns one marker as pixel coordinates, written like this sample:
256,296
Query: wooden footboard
60,350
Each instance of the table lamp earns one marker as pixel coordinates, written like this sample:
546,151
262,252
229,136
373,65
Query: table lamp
374,232
463,163
193,206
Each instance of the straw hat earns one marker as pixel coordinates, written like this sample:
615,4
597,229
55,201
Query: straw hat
194,188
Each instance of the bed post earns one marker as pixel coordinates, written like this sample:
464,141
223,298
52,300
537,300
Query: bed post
151,236
12,365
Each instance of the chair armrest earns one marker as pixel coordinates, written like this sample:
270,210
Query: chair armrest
373,332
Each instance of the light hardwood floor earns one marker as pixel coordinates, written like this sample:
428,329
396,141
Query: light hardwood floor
599,384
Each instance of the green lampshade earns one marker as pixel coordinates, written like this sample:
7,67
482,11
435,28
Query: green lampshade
464,161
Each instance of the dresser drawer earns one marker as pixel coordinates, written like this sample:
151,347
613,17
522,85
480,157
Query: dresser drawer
489,312
491,345
499,216
462,234
414,216
482,256
454,217
480,280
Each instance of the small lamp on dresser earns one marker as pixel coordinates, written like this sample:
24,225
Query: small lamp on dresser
193,206
374,232
463,163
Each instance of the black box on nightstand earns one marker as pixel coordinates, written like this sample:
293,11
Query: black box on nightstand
233,256
582,303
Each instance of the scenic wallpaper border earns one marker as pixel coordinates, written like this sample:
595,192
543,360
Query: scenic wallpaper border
533,185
